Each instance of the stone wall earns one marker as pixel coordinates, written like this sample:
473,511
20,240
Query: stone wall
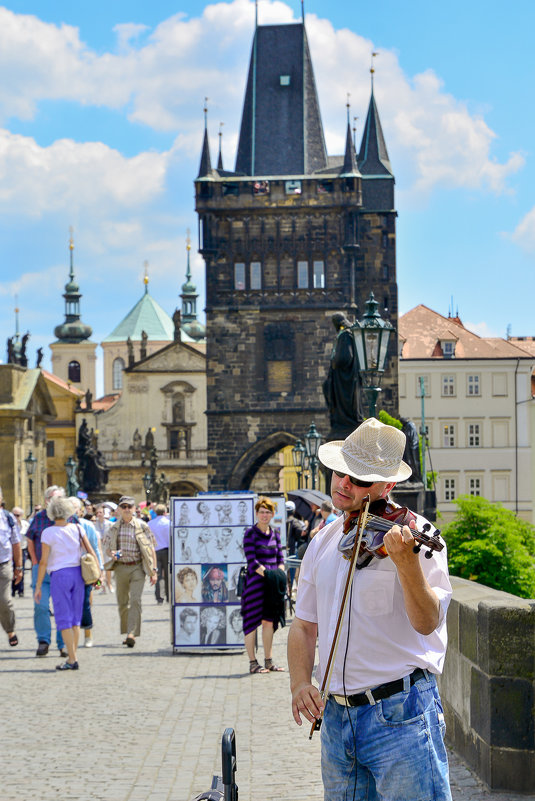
488,685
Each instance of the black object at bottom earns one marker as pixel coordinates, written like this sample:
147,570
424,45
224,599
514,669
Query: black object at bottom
384,690
224,788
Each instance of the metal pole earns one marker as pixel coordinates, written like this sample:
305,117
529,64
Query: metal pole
422,431
31,494
373,394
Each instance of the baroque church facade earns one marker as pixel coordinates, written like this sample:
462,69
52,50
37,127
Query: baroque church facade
289,237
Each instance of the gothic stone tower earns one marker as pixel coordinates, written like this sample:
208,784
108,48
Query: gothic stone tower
290,237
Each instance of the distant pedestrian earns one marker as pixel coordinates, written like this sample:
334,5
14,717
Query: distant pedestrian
263,552
61,559
17,587
160,525
131,548
102,524
10,554
41,609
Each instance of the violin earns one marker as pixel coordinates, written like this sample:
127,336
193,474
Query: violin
383,515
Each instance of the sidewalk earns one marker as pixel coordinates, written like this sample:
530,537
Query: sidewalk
143,724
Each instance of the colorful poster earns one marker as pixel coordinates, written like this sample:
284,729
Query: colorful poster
206,557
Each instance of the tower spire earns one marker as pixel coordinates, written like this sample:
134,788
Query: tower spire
350,160
373,156
205,167
220,157
73,329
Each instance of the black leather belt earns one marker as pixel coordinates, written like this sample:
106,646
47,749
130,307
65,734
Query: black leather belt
378,693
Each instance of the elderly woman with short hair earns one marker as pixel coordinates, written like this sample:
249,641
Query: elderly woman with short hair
61,558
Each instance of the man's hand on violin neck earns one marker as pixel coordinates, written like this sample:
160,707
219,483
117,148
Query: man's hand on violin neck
399,544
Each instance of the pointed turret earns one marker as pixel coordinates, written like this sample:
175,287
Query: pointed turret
281,130
205,167
349,168
220,156
73,329
373,156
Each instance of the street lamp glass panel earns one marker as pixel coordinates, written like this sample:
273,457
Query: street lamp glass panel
383,348
146,481
312,442
372,339
30,463
297,454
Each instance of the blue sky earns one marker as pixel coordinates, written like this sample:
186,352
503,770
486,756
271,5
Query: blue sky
101,125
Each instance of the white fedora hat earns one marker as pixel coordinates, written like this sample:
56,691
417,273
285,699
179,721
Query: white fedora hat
372,452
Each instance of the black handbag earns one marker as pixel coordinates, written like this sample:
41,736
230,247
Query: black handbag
242,578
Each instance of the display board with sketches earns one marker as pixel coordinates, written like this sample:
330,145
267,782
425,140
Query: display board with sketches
206,557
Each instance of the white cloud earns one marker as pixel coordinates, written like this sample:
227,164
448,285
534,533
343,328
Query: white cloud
482,329
524,233
69,176
160,77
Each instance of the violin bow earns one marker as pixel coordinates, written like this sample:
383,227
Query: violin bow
324,689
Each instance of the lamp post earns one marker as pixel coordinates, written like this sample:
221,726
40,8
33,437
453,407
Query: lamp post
312,443
30,463
298,453
147,483
372,336
72,484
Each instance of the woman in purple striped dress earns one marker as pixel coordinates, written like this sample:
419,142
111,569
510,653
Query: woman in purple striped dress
263,551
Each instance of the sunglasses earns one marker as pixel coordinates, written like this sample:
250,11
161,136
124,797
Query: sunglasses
356,481
126,506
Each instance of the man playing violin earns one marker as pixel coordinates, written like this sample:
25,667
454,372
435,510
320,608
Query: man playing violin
382,736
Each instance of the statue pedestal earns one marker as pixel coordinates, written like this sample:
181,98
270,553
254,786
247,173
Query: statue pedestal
410,495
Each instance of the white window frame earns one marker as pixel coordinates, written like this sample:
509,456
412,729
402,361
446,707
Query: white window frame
449,432
302,275
448,385
450,488
427,385
117,373
448,348
472,488
473,435
318,274
473,385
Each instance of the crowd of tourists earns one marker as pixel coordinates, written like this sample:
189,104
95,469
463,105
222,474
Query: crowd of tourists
76,548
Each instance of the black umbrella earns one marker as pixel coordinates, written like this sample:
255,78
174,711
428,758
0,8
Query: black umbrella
303,499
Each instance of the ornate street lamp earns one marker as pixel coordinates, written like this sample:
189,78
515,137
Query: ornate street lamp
312,443
298,453
72,484
372,336
30,463
147,483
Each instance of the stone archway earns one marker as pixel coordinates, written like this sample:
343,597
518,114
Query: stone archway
247,465
184,489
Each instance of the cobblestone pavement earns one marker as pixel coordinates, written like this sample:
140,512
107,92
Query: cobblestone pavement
143,724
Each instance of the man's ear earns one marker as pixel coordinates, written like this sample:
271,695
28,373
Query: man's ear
388,489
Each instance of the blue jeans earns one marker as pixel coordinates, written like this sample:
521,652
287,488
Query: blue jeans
41,612
393,750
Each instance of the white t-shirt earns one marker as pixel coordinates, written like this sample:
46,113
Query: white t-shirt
383,645
64,543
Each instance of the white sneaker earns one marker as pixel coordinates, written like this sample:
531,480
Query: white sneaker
88,643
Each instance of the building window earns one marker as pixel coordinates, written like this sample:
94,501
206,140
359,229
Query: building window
448,435
117,370
319,275
302,274
74,372
448,386
239,275
50,449
474,437
256,275
427,391
448,350
473,385
474,486
449,489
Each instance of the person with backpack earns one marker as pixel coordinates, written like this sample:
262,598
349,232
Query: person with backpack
10,554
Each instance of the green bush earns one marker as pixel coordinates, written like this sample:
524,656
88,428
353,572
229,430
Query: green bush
388,420
491,545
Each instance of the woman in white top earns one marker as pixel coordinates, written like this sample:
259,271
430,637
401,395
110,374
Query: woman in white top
61,557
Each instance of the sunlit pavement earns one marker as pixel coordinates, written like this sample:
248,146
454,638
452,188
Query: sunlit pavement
145,724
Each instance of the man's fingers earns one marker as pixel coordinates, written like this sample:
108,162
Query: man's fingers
307,703
407,535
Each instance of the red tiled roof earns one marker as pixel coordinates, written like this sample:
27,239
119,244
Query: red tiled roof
61,383
422,330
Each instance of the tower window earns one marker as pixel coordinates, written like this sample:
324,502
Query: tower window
319,275
74,372
239,275
118,367
256,275
302,274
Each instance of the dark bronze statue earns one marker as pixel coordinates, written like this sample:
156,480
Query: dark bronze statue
411,454
341,388
92,468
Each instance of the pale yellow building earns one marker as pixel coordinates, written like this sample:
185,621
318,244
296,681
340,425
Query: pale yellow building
61,433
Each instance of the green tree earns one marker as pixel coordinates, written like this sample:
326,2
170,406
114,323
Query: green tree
490,544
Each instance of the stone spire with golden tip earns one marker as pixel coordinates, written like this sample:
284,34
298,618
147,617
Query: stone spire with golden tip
73,329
